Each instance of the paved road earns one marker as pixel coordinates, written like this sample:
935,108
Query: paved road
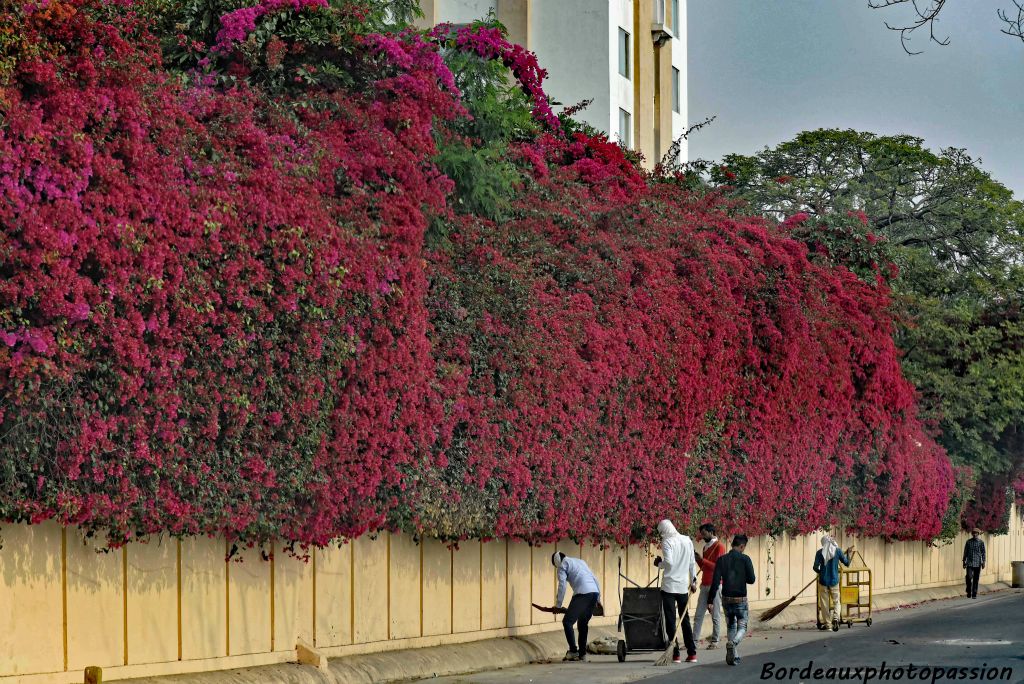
961,632
983,633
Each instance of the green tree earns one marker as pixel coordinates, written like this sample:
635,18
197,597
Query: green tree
955,235
474,150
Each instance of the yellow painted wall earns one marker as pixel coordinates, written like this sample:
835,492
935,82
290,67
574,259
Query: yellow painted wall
165,608
333,597
203,613
466,588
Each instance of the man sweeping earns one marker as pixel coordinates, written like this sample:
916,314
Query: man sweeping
733,571
586,593
679,572
713,550
826,565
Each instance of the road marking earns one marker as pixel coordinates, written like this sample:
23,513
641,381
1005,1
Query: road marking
973,642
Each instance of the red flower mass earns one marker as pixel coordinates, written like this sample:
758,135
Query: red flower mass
218,318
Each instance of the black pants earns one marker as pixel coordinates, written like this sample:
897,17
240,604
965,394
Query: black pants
972,580
579,612
668,606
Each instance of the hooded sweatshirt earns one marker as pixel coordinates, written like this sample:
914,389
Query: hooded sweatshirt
678,564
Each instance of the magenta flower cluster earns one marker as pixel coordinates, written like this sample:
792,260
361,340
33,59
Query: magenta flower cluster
221,315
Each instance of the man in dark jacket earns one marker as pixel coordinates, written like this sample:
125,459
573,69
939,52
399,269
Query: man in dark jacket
733,572
974,561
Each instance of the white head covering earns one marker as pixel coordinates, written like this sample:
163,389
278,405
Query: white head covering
828,547
666,529
556,558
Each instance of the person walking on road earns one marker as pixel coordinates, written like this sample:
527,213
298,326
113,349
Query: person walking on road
826,566
713,550
679,574
974,561
733,572
586,593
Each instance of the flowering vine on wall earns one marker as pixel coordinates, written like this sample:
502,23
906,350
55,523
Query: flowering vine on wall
219,314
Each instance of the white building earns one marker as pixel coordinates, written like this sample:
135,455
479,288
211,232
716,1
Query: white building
628,56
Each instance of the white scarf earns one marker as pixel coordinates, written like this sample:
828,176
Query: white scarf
828,547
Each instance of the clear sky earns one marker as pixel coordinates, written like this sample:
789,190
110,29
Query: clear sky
772,68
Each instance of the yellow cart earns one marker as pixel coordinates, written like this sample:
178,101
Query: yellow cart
855,591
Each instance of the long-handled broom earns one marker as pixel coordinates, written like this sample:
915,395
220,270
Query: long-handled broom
774,612
666,657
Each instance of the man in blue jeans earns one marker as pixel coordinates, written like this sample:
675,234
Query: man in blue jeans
586,592
734,571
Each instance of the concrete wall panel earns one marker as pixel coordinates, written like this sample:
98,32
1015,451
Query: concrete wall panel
334,595
203,599
293,600
96,605
370,589
249,611
492,567
437,588
466,594
31,623
519,585
153,601
404,589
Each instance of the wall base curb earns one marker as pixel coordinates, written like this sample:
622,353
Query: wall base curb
493,654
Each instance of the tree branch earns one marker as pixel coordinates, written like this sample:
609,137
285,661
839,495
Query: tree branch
926,16
1014,26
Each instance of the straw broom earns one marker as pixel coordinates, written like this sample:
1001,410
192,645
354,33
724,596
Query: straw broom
666,657
774,612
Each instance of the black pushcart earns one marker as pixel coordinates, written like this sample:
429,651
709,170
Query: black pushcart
641,620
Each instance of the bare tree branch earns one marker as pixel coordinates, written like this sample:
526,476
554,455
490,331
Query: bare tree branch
1015,25
927,15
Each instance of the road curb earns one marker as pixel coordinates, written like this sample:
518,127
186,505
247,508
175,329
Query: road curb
491,654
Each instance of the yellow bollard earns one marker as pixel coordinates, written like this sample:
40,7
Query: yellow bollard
93,675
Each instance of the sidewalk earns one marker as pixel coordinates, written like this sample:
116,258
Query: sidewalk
452,664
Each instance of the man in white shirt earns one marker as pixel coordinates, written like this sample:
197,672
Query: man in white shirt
679,574
586,592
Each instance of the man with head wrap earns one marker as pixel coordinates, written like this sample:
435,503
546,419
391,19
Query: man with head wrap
586,592
679,573
826,565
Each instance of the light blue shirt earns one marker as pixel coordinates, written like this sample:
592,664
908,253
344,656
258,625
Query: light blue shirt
579,576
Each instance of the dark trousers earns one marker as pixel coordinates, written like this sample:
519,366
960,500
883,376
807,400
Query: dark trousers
669,602
579,612
972,580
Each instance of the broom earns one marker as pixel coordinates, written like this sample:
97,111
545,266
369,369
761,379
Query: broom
666,657
774,612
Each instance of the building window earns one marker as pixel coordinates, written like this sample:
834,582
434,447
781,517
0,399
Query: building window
675,91
624,52
625,128
676,23
659,11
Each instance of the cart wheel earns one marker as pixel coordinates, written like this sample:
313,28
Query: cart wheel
868,622
849,624
620,651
